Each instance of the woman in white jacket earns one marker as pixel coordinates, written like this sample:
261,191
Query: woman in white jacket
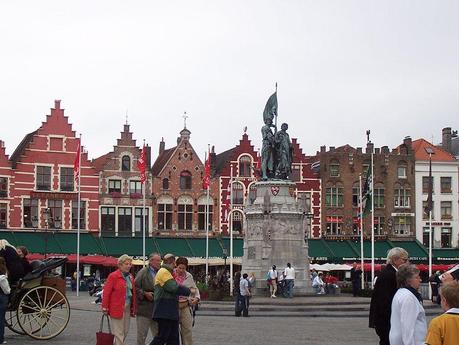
408,320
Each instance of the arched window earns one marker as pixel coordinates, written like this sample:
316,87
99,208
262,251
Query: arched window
126,163
237,221
165,183
185,213
185,180
252,193
238,193
245,164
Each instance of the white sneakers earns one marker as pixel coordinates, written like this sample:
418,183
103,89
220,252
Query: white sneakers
273,296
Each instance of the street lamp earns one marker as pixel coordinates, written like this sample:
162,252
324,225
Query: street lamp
430,152
225,255
46,214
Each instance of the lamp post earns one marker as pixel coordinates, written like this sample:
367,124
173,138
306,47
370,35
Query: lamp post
225,256
430,152
46,214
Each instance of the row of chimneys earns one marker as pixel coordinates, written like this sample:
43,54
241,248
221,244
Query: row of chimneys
446,135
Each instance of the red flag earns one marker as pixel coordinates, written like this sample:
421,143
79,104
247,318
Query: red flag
77,162
141,165
206,179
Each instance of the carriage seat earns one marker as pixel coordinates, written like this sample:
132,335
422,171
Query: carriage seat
37,269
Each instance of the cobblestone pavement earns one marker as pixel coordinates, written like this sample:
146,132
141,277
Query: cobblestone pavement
225,329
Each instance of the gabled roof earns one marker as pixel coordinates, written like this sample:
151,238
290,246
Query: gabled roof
21,147
162,160
99,162
439,155
222,159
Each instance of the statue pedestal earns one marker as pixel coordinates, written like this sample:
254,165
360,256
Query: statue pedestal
275,235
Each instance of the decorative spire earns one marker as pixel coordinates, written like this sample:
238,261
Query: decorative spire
185,116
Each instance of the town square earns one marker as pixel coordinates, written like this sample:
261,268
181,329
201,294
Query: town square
229,172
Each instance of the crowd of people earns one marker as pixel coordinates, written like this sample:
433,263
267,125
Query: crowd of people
396,310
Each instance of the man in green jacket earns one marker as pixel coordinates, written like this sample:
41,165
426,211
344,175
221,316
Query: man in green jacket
165,311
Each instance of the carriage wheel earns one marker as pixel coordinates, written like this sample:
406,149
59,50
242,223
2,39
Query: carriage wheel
43,312
11,321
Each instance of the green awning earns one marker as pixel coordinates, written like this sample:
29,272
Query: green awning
415,249
319,251
446,254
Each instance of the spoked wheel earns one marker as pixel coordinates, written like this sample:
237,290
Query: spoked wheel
43,312
11,321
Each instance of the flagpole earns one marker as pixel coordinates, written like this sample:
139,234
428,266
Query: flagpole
230,222
78,222
207,226
144,187
430,222
361,232
372,221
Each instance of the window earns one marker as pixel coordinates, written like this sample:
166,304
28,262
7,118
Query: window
445,209
334,225
55,214
295,175
425,184
202,217
3,216
238,193
245,166
30,213
379,225
355,225
355,196
402,197
107,219
379,198
3,187
334,197
252,193
401,171
425,236
185,180
425,215
164,216
185,216
43,178
56,144
67,179
75,214
114,186
138,224
135,187
446,237
165,183
237,221
402,225
445,183
126,163
334,170
124,221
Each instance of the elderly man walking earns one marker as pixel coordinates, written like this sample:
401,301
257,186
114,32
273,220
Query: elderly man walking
144,286
383,293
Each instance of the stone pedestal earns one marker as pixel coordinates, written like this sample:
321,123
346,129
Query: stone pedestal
275,235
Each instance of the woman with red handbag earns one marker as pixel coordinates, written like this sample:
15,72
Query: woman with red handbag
119,300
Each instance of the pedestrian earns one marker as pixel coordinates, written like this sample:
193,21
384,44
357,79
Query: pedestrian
119,301
272,276
165,311
4,292
12,260
356,276
313,274
281,287
435,282
408,324
144,287
244,295
186,304
383,293
330,284
444,329
289,274
318,284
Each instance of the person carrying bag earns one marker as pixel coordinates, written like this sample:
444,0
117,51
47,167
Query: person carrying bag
103,338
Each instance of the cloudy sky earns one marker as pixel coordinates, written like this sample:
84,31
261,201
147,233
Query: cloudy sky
342,67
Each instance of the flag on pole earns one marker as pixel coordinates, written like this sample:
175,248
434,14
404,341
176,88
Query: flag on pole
206,179
141,163
367,192
77,163
429,204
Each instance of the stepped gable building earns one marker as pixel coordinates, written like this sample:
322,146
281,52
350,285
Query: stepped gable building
241,165
42,191
121,192
6,185
445,213
180,199
394,191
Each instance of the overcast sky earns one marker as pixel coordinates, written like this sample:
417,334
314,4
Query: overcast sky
342,67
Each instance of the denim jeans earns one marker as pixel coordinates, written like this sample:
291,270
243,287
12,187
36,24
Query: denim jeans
3,305
289,287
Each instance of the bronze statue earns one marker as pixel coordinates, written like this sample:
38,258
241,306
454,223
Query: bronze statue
284,153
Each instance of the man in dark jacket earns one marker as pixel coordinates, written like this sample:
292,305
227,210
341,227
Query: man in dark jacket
383,293
165,311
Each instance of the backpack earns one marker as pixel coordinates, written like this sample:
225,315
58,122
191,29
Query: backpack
268,276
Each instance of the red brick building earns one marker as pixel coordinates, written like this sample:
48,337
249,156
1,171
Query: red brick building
42,193
179,198
121,191
5,187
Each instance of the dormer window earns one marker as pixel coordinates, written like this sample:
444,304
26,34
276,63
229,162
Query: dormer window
185,180
245,163
126,163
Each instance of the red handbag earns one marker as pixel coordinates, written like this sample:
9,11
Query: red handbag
103,338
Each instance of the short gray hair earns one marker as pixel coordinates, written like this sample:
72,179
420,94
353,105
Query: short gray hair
123,258
404,273
396,253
